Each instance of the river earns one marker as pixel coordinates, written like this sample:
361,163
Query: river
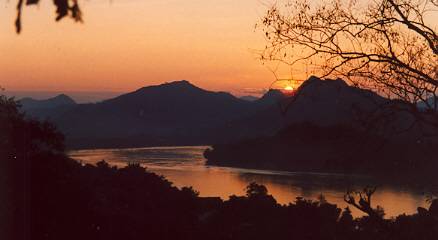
185,166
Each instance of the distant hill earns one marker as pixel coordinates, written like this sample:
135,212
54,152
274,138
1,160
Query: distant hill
317,101
60,100
273,96
44,109
249,98
306,147
179,113
331,126
176,113
328,102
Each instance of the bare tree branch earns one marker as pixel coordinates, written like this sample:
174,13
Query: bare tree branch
64,8
385,46
364,202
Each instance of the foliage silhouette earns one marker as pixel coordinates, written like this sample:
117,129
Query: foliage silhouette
50,196
64,8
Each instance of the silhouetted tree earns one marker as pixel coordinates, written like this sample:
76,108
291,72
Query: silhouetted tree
346,220
256,190
364,202
46,195
387,45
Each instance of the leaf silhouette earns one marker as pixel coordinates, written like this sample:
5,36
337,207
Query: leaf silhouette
63,8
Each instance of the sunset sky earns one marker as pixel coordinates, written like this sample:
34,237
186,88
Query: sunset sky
127,44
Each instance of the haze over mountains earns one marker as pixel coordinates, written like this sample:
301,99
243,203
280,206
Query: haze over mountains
179,113
58,101
249,98
77,96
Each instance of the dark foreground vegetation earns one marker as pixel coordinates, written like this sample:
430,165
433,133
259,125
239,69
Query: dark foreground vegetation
46,195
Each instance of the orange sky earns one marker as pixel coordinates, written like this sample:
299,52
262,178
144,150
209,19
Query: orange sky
127,44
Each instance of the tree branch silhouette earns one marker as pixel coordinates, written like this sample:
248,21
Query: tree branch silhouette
364,202
64,8
388,46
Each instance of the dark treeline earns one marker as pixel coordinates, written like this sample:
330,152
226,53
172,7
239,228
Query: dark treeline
46,195
338,148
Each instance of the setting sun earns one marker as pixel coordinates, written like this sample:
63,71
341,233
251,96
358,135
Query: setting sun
288,88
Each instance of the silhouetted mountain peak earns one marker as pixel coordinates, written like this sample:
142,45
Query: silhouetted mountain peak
178,84
272,96
330,102
181,84
315,82
168,89
178,92
59,100
62,98
336,89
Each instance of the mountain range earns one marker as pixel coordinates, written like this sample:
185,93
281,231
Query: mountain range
329,126
179,113
168,114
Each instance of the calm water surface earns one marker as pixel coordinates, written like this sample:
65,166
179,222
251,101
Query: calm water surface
185,166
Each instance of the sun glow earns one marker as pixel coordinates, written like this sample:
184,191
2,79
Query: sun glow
288,88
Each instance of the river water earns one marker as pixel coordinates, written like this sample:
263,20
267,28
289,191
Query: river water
185,166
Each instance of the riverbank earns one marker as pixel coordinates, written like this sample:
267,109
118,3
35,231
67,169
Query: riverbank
185,166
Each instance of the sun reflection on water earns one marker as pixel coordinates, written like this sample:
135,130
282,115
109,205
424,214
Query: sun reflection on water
185,166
